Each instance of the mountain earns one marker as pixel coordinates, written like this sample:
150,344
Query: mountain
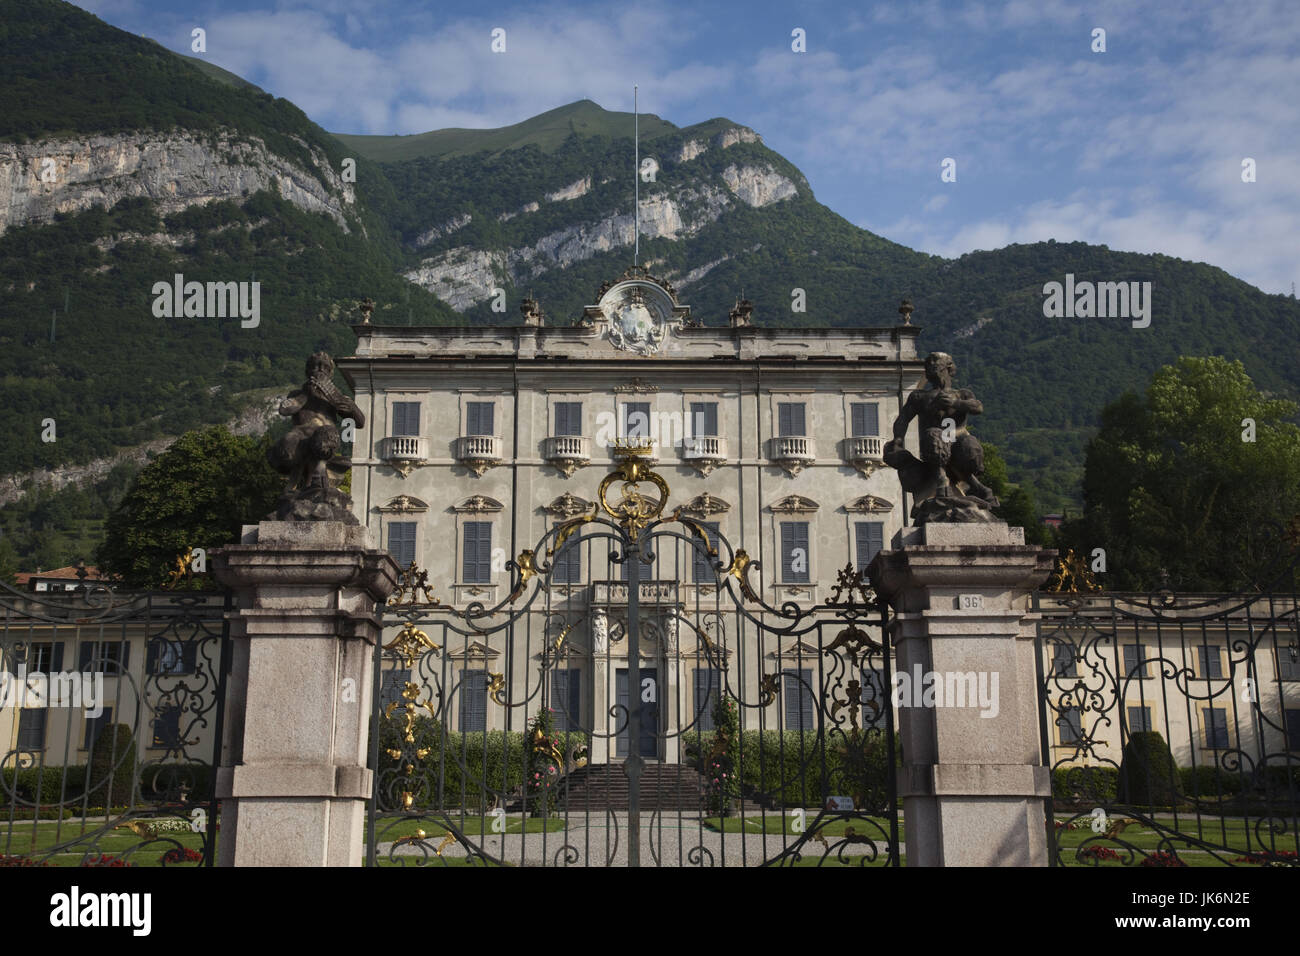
166,164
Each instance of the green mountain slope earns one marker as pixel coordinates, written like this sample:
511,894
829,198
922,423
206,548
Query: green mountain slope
547,131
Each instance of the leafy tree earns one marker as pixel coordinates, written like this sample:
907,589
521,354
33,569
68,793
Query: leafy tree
1176,492
196,494
1018,507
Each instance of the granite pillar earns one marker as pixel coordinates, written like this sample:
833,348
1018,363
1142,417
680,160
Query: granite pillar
973,783
293,781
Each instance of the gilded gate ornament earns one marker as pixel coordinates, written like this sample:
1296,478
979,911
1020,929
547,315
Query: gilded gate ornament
635,510
410,642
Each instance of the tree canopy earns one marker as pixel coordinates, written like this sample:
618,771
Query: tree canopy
197,494
1196,479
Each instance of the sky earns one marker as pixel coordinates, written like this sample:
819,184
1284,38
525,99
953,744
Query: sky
1140,147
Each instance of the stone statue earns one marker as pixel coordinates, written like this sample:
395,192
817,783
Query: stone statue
670,635
308,453
599,631
944,481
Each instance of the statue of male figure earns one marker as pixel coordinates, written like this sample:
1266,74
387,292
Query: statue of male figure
951,459
306,451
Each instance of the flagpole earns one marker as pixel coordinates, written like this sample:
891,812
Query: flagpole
636,179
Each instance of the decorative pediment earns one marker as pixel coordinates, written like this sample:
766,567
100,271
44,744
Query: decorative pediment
478,504
477,651
705,505
869,505
637,385
568,506
795,505
799,649
404,504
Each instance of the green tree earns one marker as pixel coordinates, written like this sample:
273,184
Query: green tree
1179,490
1018,507
196,494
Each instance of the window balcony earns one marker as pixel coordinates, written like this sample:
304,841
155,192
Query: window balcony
704,452
478,453
404,452
792,452
567,452
865,454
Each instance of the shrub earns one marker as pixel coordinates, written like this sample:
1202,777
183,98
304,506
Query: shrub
1087,786
721,781
51,785
1211,782
542,764
1148,775
111,778
459,770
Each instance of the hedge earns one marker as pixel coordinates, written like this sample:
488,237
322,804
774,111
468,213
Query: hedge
792,768
49,782
493,762
1148,775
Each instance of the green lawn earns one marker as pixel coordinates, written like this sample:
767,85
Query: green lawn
38,839
779,824
1232,832
391,829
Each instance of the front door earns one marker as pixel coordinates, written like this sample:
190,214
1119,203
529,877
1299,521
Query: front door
648,698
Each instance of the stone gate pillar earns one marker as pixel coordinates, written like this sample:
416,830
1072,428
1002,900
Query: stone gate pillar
293,781
973,782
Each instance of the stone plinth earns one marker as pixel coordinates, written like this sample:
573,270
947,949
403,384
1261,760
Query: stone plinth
293,779
973,783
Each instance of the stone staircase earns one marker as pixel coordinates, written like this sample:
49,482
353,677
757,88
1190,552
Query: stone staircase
602,787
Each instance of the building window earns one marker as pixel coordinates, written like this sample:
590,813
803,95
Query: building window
870,541
567,566
1211,663
1070,725
406,419
708,685
704,419
568,418
167,728
401,542
1064,662
864,419
45,657
477,565
799,700
110,657
1134,666
794,552
171,657
790,420
636,419
1288,663
473,701
1293,729
875,698
31,728
1139,720
95,726
702,564
1215,720
391,685
479,418
566,699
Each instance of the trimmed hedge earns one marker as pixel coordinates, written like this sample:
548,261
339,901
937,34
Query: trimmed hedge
493,763
793,769
1148,775
1092,786
47,782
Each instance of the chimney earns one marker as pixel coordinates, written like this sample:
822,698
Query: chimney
741,315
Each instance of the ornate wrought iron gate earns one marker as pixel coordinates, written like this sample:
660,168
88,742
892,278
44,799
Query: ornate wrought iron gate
1172,727
633,701
110,726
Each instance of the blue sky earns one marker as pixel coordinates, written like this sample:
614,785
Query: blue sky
1139,147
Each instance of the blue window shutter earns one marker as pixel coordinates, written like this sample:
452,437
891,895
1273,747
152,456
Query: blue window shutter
566,699
701,563
568,562
798,700
870,541
866,419
401,542
478,552
406,418
473,701
794,536
636,419
704,419
791,421
58,655
479,418
568,418
708,682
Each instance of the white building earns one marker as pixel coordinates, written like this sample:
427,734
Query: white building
478,440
